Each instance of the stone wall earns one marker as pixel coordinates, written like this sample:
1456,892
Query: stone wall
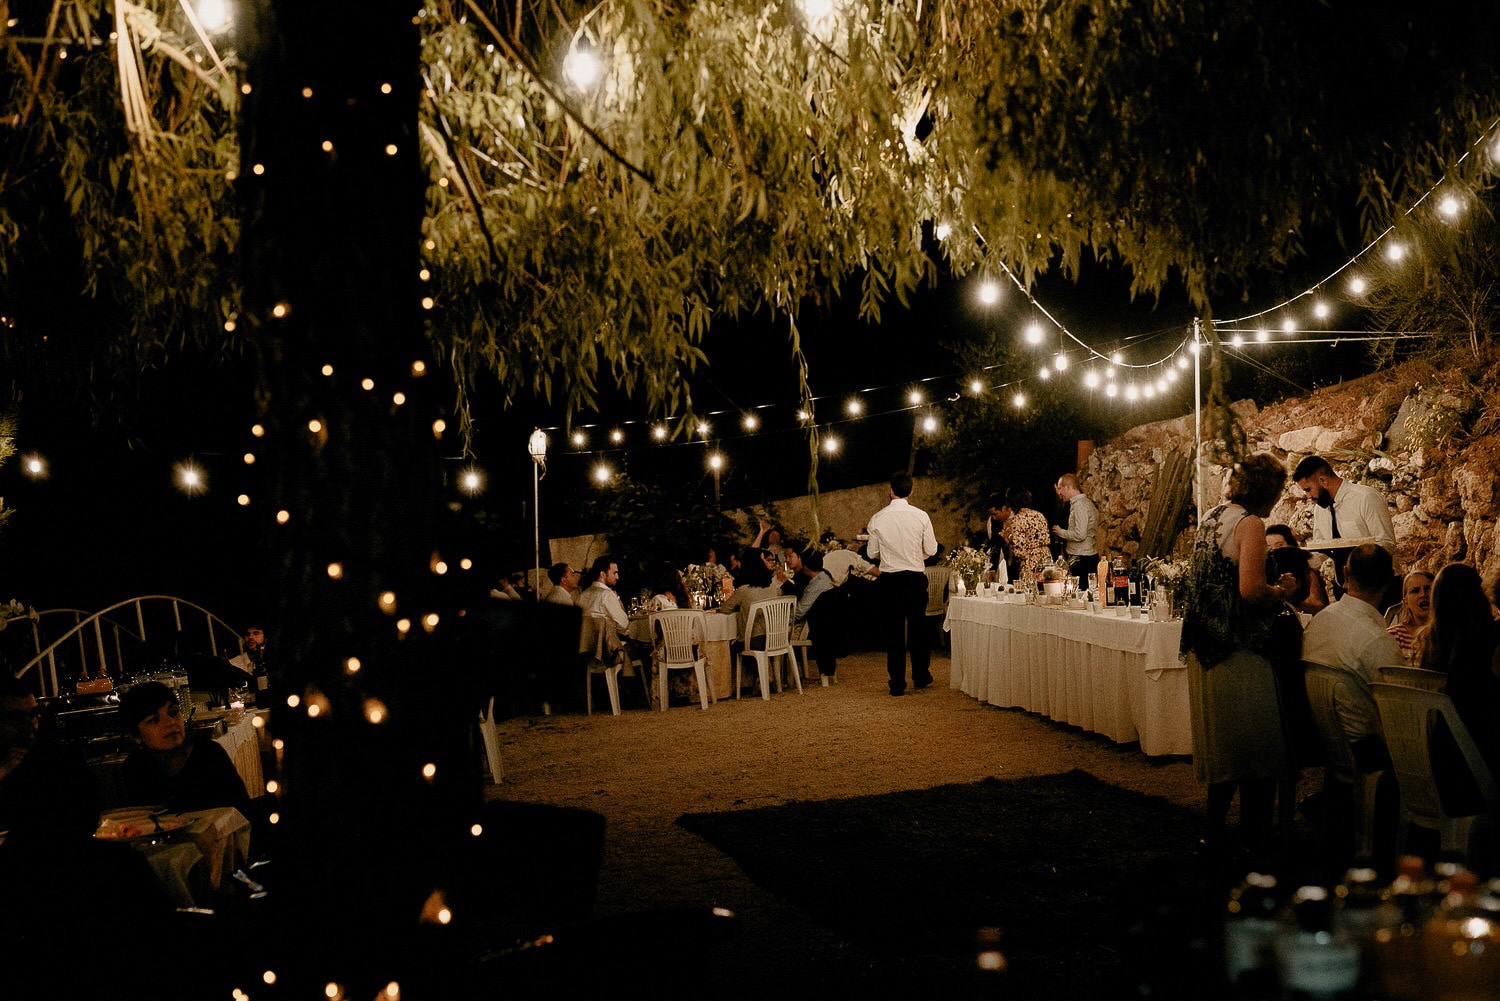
1425,437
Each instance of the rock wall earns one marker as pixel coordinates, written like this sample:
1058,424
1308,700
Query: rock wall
1424,435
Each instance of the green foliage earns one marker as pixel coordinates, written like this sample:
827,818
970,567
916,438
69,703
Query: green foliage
736,158
648,524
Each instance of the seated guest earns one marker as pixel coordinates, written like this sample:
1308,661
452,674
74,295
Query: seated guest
168,768
601,606
787,575
752,585
816,612
564,585
1288,557
1405,619
667,590
1350,636
1460,640
507,589
768,538
54,874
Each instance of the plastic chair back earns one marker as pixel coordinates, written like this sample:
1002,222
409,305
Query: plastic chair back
937,590
1413,677
777,615
678,629
1323,686
1407,716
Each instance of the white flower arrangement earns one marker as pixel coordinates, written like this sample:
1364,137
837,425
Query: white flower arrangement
969,563
1170,574
704,577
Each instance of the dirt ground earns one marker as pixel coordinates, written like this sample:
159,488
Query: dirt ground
643,769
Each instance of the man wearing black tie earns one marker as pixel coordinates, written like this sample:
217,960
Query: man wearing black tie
1344,510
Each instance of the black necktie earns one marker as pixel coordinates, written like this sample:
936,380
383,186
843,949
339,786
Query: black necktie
1334,515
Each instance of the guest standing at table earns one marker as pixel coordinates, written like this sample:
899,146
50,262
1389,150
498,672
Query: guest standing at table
166,767
901,538
1344,510
1083,522
1026,533
1239,736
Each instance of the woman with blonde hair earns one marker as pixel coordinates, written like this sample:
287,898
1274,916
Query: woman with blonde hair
1239,735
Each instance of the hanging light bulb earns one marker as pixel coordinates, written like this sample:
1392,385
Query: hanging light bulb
1034,334
751,422
579,439
716,461
831,444
1132,393
914,397
1091,379
854,407
1148,390
1450,206
582,68
1019,400
976,386
213,14
1395,252
659,432
1357,285
617,436
1044,373
1262,335
989,292
602,473
1182,361
1112,390
471,480
1060,363
1237,341
929,424
1117,359
1289,325
1321,310
941,230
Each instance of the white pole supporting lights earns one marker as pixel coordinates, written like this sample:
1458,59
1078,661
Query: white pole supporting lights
536,446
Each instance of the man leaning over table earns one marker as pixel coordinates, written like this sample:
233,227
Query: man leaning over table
1344,510
1083,522
901,538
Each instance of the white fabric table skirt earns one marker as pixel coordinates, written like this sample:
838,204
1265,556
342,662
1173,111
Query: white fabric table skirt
242,742
718,631
1115,675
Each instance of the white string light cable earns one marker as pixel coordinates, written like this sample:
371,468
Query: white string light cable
1449,206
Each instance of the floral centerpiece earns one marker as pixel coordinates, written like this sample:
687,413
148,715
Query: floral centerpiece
970,565
1170,574
704,578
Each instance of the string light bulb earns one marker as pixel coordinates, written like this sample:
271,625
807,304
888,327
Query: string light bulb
942,230
579,439
854,407
831,444
1018,400
929,424
1396,252
471,480
1034,333
1450,206
750,422
602,473
914,397
582,68
716,462
34,466
976,386
659,432
190,479
989,292
1357,285
1060,363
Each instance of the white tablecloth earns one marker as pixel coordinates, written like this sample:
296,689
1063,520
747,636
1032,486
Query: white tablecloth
718,630
1118,676
242,742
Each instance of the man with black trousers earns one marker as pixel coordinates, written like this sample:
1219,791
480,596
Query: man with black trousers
901,539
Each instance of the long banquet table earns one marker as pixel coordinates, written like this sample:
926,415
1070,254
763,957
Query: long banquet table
1115,675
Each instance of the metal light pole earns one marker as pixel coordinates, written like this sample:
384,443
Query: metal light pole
536,445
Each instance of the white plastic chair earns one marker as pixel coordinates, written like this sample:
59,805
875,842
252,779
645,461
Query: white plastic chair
607,659
1325,686
1406,716
777,615
490,734
676,631
1413,677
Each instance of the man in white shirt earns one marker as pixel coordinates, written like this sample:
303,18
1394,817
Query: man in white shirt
1344,510
1350,635
564,585
901,539
1083,522
601,605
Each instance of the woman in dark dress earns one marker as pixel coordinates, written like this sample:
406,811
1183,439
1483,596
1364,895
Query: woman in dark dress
169,769
1239,731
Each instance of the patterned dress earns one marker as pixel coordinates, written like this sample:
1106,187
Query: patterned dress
1029,539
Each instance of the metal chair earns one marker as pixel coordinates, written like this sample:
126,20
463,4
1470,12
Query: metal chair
677,632
776,613
1407,716
1326,688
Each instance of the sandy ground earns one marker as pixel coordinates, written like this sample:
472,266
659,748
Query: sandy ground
643,769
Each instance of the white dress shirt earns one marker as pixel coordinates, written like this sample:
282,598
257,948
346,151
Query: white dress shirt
1362,513
901,537
560,595
1350,635
599,601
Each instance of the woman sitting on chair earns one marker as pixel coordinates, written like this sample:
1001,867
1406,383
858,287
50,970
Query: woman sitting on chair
753,584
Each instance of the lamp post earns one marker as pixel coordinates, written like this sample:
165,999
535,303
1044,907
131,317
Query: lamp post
536,445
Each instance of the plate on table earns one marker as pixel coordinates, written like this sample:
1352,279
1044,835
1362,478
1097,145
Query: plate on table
139,822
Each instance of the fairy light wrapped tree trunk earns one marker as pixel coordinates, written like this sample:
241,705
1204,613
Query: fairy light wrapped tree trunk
372,705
